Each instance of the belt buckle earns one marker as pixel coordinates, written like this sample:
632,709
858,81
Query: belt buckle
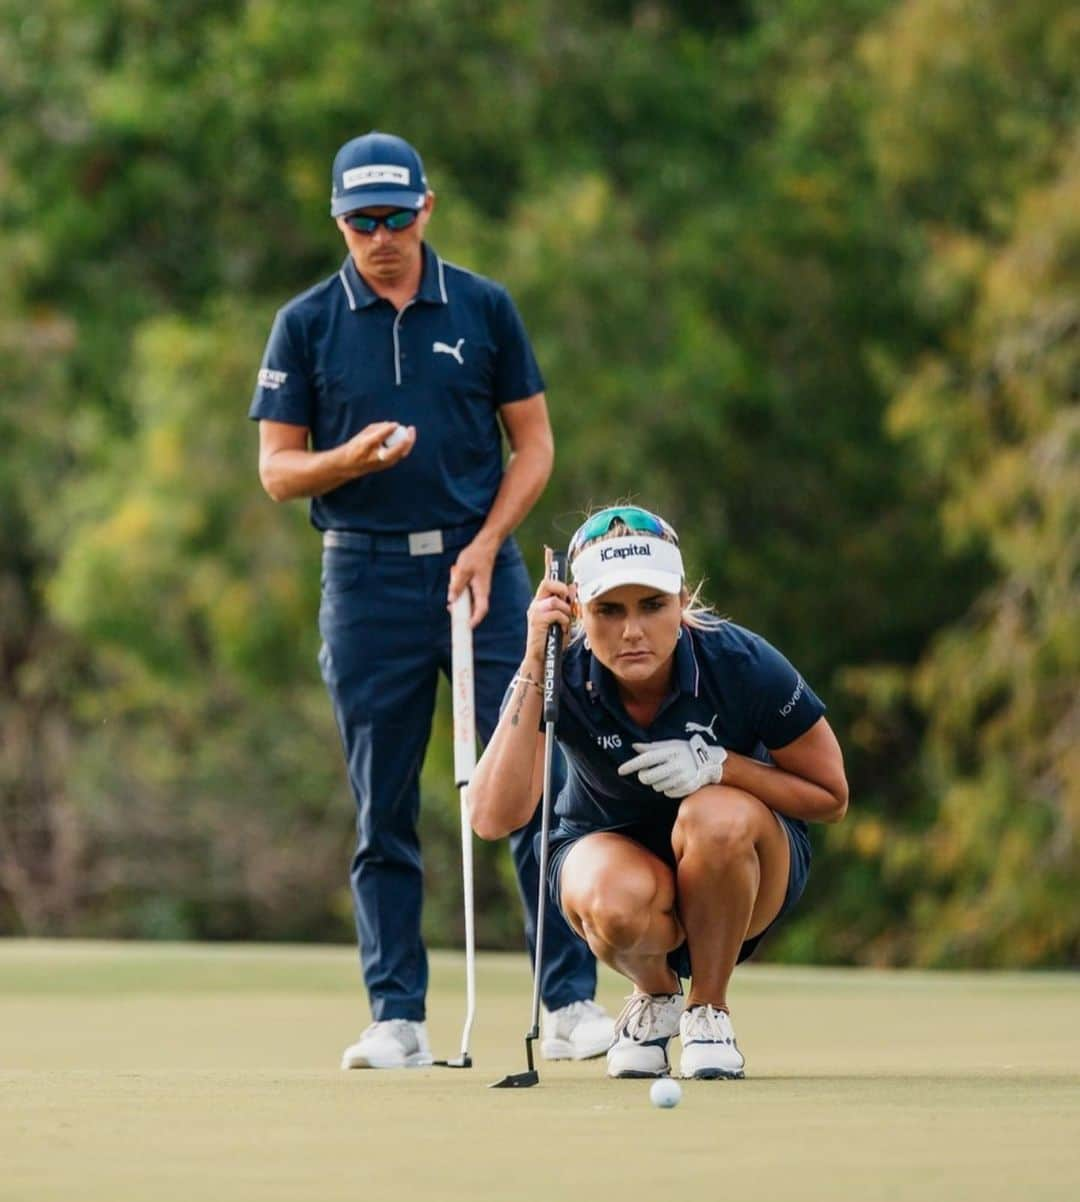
426,542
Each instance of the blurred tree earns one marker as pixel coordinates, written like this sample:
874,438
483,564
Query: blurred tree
211,776
41,839
738,235
999,425
975,134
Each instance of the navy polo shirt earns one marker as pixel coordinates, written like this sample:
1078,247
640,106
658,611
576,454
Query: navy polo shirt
340,357
730,686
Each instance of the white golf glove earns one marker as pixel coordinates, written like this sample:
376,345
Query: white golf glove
676,767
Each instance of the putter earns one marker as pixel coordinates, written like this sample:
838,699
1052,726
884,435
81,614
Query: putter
461,684
555,569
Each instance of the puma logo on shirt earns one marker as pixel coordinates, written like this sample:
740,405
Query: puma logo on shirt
705,730
442,348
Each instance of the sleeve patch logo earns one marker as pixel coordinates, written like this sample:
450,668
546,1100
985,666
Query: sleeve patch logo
272,379
377,173
793,699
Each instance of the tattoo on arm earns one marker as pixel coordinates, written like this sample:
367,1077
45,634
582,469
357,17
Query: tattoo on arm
519,701
522,679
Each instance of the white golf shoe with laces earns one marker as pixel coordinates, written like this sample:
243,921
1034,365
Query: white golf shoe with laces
392,1043
709,1050
579,1031
643,1031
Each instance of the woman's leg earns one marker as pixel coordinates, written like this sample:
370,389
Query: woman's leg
621,899
733,861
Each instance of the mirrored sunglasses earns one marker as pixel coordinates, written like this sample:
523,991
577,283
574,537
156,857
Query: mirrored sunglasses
366,223
640,521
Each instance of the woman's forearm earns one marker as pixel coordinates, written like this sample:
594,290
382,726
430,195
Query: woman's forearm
503,791
791,795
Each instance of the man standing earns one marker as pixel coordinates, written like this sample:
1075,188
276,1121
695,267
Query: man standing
383,394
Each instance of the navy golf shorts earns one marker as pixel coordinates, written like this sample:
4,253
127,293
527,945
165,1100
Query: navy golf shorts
656,837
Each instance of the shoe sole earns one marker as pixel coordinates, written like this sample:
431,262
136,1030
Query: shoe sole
715,1074
408,1062
634,1074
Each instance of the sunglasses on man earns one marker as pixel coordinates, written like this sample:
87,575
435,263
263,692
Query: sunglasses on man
367,223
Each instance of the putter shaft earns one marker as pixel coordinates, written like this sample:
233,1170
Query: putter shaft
555,570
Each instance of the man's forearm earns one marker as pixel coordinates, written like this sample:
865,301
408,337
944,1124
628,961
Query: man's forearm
527,472
288,474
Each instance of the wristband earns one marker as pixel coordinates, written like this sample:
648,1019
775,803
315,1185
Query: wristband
519,679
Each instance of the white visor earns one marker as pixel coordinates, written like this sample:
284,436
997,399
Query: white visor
630,559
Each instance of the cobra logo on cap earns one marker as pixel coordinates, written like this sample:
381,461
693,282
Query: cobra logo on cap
376,173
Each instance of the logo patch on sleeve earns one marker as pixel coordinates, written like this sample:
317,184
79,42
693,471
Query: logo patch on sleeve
793,700
272,379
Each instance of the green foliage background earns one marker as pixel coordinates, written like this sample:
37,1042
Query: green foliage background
802,276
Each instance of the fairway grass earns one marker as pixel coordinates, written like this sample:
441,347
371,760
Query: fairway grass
165,1072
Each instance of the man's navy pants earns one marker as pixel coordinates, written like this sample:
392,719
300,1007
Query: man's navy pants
386,635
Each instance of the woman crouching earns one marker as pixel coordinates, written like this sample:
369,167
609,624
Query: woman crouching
696,755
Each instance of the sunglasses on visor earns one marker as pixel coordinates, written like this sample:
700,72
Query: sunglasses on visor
640,521
365,223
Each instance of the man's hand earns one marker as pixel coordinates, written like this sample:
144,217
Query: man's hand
472,570
365,453
677,767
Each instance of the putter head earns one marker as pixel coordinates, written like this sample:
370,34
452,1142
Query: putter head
461,1062
517,1080
522,1080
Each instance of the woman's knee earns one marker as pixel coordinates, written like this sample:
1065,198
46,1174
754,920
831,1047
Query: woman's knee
617,908
719,821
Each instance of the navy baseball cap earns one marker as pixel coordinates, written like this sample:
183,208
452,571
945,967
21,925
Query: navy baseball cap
377,169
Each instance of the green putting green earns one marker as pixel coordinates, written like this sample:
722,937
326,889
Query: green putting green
160,1072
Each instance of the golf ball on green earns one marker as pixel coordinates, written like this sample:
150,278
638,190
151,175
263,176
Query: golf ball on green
665,1093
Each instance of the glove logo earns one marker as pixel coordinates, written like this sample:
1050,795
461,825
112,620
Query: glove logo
702,751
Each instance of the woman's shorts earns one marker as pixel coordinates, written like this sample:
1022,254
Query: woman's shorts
657,839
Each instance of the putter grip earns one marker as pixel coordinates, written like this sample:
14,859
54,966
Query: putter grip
462,688
553,648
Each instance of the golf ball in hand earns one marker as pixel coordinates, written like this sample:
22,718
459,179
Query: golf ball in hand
665,1093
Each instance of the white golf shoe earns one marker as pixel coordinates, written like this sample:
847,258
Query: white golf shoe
709,1050
393,1043
579,1031
642,1032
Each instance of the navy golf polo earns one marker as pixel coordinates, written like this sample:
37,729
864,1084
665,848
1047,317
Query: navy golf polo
731,687
340,357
